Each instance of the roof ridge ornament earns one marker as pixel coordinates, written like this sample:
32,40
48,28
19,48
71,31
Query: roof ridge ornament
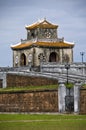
44,18
39,20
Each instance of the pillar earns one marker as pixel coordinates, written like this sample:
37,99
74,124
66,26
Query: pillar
61,96
77,97
3,77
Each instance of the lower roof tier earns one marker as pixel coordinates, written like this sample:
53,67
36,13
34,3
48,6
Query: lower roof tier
42,44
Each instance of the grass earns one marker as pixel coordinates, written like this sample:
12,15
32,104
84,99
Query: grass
21,88
84,85
42,122
13,89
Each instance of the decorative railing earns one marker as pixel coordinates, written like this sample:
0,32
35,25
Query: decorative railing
43,40
32,40
54,67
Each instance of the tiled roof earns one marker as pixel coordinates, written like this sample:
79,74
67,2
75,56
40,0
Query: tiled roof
42,44
42,24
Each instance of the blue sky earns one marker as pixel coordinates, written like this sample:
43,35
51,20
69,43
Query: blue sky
70,15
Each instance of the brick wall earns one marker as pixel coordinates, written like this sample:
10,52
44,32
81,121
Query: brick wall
83,101
29,101
20,80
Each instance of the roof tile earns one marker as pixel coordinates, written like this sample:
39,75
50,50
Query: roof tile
42,44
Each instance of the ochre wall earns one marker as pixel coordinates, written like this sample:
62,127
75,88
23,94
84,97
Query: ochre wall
19,80
83,101
29,101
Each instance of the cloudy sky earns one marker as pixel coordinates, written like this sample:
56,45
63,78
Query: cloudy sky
70,15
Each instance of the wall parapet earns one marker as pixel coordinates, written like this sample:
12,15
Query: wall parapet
79,68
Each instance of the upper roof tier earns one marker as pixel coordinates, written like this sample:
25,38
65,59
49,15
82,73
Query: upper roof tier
41,24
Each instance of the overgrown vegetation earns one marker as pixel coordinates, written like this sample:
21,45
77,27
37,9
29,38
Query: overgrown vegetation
42,122
84,85
13,89
69,85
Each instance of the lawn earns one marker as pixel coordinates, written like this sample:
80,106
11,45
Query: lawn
42,122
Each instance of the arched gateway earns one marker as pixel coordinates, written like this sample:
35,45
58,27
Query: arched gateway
23,60
54,57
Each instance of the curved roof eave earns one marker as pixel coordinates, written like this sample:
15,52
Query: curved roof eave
42,44
41,24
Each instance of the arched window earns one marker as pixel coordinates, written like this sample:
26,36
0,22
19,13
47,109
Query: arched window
23,60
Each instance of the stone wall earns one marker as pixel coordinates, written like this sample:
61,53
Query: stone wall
36,51
29,101
83,101
14,80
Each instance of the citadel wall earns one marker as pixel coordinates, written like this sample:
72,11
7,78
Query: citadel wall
83,101
15,80
29,101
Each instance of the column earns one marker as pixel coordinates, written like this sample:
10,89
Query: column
61,96
77,97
